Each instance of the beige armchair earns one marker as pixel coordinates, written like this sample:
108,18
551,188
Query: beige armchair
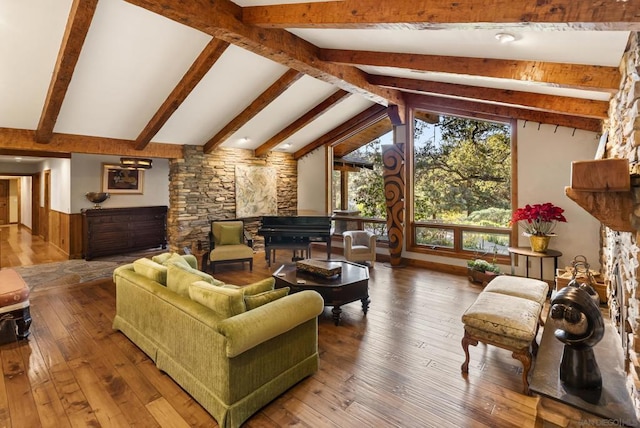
359,246
229,243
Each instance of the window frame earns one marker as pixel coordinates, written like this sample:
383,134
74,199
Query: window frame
411,225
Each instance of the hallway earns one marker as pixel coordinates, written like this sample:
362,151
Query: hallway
19,248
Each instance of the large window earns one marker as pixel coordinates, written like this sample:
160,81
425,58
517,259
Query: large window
461,186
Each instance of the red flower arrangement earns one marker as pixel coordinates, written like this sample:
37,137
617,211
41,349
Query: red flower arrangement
538,219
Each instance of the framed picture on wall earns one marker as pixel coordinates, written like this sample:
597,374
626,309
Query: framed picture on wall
116,179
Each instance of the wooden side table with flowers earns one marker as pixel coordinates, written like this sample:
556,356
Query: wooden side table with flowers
538,222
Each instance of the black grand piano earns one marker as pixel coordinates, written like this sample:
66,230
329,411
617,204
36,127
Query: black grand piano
294,232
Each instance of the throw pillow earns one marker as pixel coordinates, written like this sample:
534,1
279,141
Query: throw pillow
261,286
179,278
177,259
226,302
161,258
252,302
150,269
230,235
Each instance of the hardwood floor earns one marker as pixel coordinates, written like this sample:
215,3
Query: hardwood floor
397,367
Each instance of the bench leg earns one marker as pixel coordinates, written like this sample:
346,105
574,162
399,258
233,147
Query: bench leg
466,341
524,356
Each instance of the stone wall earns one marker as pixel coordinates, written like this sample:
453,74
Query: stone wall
620,255
202,188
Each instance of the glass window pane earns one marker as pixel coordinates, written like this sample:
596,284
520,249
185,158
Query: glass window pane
485,243
434,237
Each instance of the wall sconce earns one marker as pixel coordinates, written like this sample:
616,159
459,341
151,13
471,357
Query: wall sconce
136,163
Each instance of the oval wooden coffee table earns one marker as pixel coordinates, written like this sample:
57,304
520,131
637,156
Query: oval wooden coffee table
350,285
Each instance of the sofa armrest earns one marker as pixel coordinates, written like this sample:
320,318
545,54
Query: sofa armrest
251,328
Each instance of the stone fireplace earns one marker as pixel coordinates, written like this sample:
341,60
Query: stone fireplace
620,252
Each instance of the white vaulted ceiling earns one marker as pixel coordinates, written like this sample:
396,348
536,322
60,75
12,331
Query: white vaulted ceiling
134,57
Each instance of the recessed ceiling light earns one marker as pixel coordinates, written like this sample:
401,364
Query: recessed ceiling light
286,145
505,37
244,140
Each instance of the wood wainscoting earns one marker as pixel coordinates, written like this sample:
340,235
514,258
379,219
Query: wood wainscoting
64,230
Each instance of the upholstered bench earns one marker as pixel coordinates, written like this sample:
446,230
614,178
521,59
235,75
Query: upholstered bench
14,301
506,315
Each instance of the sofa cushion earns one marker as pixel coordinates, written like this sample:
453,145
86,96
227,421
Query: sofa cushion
150,269
256,300
224,301
180,277
230,234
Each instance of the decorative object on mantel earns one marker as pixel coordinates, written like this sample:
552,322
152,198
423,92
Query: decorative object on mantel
137,163
579,325
538,222
97,198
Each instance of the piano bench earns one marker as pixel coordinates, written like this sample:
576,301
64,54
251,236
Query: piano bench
304,247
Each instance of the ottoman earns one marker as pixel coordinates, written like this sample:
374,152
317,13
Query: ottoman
505,321
525,288
14,301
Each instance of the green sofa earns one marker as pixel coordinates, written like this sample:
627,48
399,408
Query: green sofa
232,365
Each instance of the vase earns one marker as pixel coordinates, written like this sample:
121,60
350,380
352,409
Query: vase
539,243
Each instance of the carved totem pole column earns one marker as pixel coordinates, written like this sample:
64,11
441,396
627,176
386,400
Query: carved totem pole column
393,162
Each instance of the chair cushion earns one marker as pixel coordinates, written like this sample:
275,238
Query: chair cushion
257,300
150,269
224,301
231,252
526,288
230,235
504,315
180,277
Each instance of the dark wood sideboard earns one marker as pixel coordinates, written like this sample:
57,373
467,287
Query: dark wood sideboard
108,231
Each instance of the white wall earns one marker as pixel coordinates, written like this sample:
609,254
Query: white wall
312,183
544,155
87,177
25,201
60,182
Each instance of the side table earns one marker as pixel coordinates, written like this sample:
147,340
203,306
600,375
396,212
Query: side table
527,252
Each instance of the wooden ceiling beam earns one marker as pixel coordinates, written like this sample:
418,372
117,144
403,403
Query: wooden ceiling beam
542,102
575,76
467,108
223,19
302,121
259,104
25,140
345,130
207,58
75,33
440,14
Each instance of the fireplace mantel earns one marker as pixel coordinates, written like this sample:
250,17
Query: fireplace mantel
603,188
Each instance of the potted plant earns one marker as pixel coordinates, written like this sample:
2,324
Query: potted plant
538,222
481,271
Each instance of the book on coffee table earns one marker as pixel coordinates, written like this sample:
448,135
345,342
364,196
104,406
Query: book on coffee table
325,268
